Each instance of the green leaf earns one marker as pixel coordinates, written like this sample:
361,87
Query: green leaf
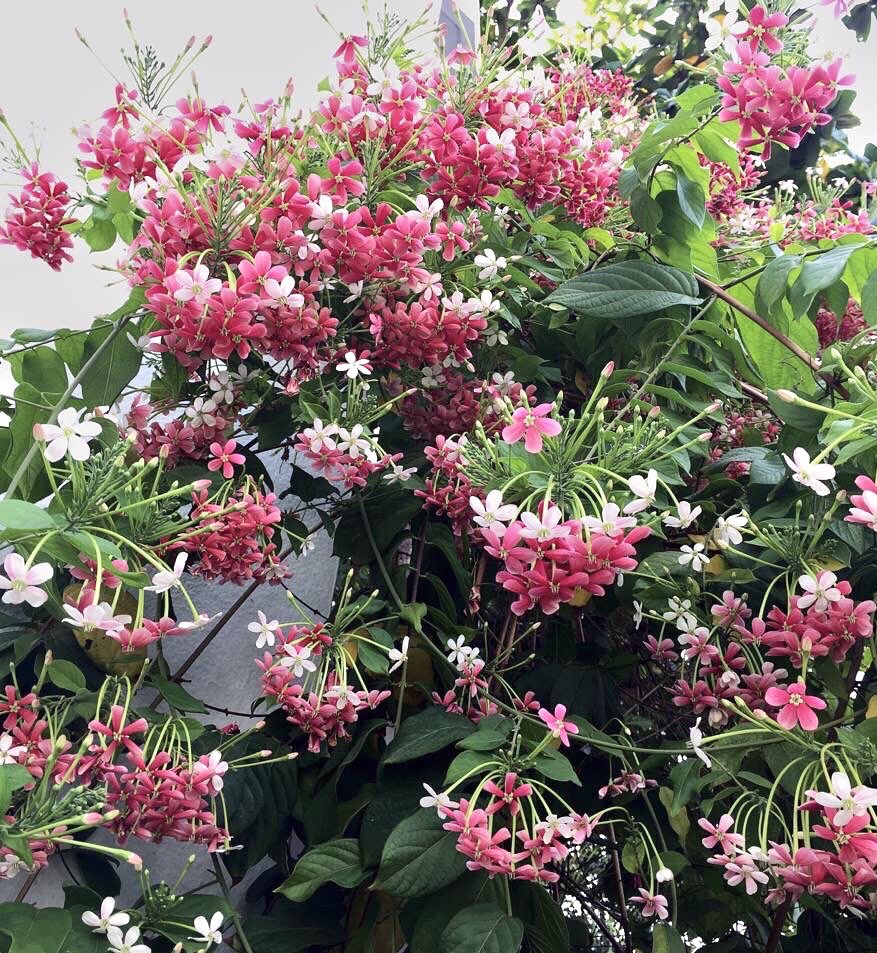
337,862
117,364
817,274
685,778
645,210
13,777
545,927
869,299
292,928
627,288
99,233
692,200
426,732
772,282
465,763
46,930
419,857
177,696
66,675
19,515
42,368
483,928
555,766
665,939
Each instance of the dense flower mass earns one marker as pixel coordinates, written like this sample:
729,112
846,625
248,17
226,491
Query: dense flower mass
572,367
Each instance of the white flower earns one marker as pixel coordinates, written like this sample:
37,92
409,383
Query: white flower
489,264
841,183
208,932
637,614
9,751
353,443
726,532
202,412
679,613
644,489
165,580
222,387
352,366
23,583
819,591
320,435
849,802
788,185
460,651
610,521
695,739
95,616
282,293
720,33
535,41
266,630
399,474
545,527
436,799
428,209
101,922
685,516
127,943
492,513
663,875
321,212
485,303
809,474
693,556
68,435
398,656
297,658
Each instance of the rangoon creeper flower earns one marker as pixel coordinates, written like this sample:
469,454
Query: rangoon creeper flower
644,489
208,932
726,532
95,616
489,264
847,801
104,920
684,517
127,943
68,435
9,751
809,474
543,527
679,612
352,366
492,513
398,656
264,629
818,592
297,658
695,740
196,285
531,423
165,580
436,799
720,34
398,474
22,584
557,725
460,651
610,521
217,768
693,556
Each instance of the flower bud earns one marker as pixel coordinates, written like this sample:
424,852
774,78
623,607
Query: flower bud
200,485
790,397
664,875
92,818
135,860
703,437
608,370
714,406
654,412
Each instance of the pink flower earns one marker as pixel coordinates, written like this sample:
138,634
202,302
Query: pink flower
559,728
653,904
796,706
721,835
225,458
864,508
22,582
531,423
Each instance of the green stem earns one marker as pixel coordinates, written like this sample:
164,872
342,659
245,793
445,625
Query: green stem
235,916
391,589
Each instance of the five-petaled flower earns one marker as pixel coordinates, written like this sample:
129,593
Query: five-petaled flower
557,724
531,423
68,435
796,706
225,458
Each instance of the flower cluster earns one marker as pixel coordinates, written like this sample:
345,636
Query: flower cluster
36,221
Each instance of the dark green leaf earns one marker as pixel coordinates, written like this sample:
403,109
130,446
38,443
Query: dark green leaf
428,731
419,857
483,928
336,861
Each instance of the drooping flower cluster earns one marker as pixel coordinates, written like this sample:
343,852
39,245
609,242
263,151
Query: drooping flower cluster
772,102
37,218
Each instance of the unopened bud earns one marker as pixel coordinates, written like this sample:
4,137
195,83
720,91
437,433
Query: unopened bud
714,406
259,725
664,875
608,370
200,485
164,451
602,403
135,860
49,657
654,412
790,397
706,435
265,753
92,818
